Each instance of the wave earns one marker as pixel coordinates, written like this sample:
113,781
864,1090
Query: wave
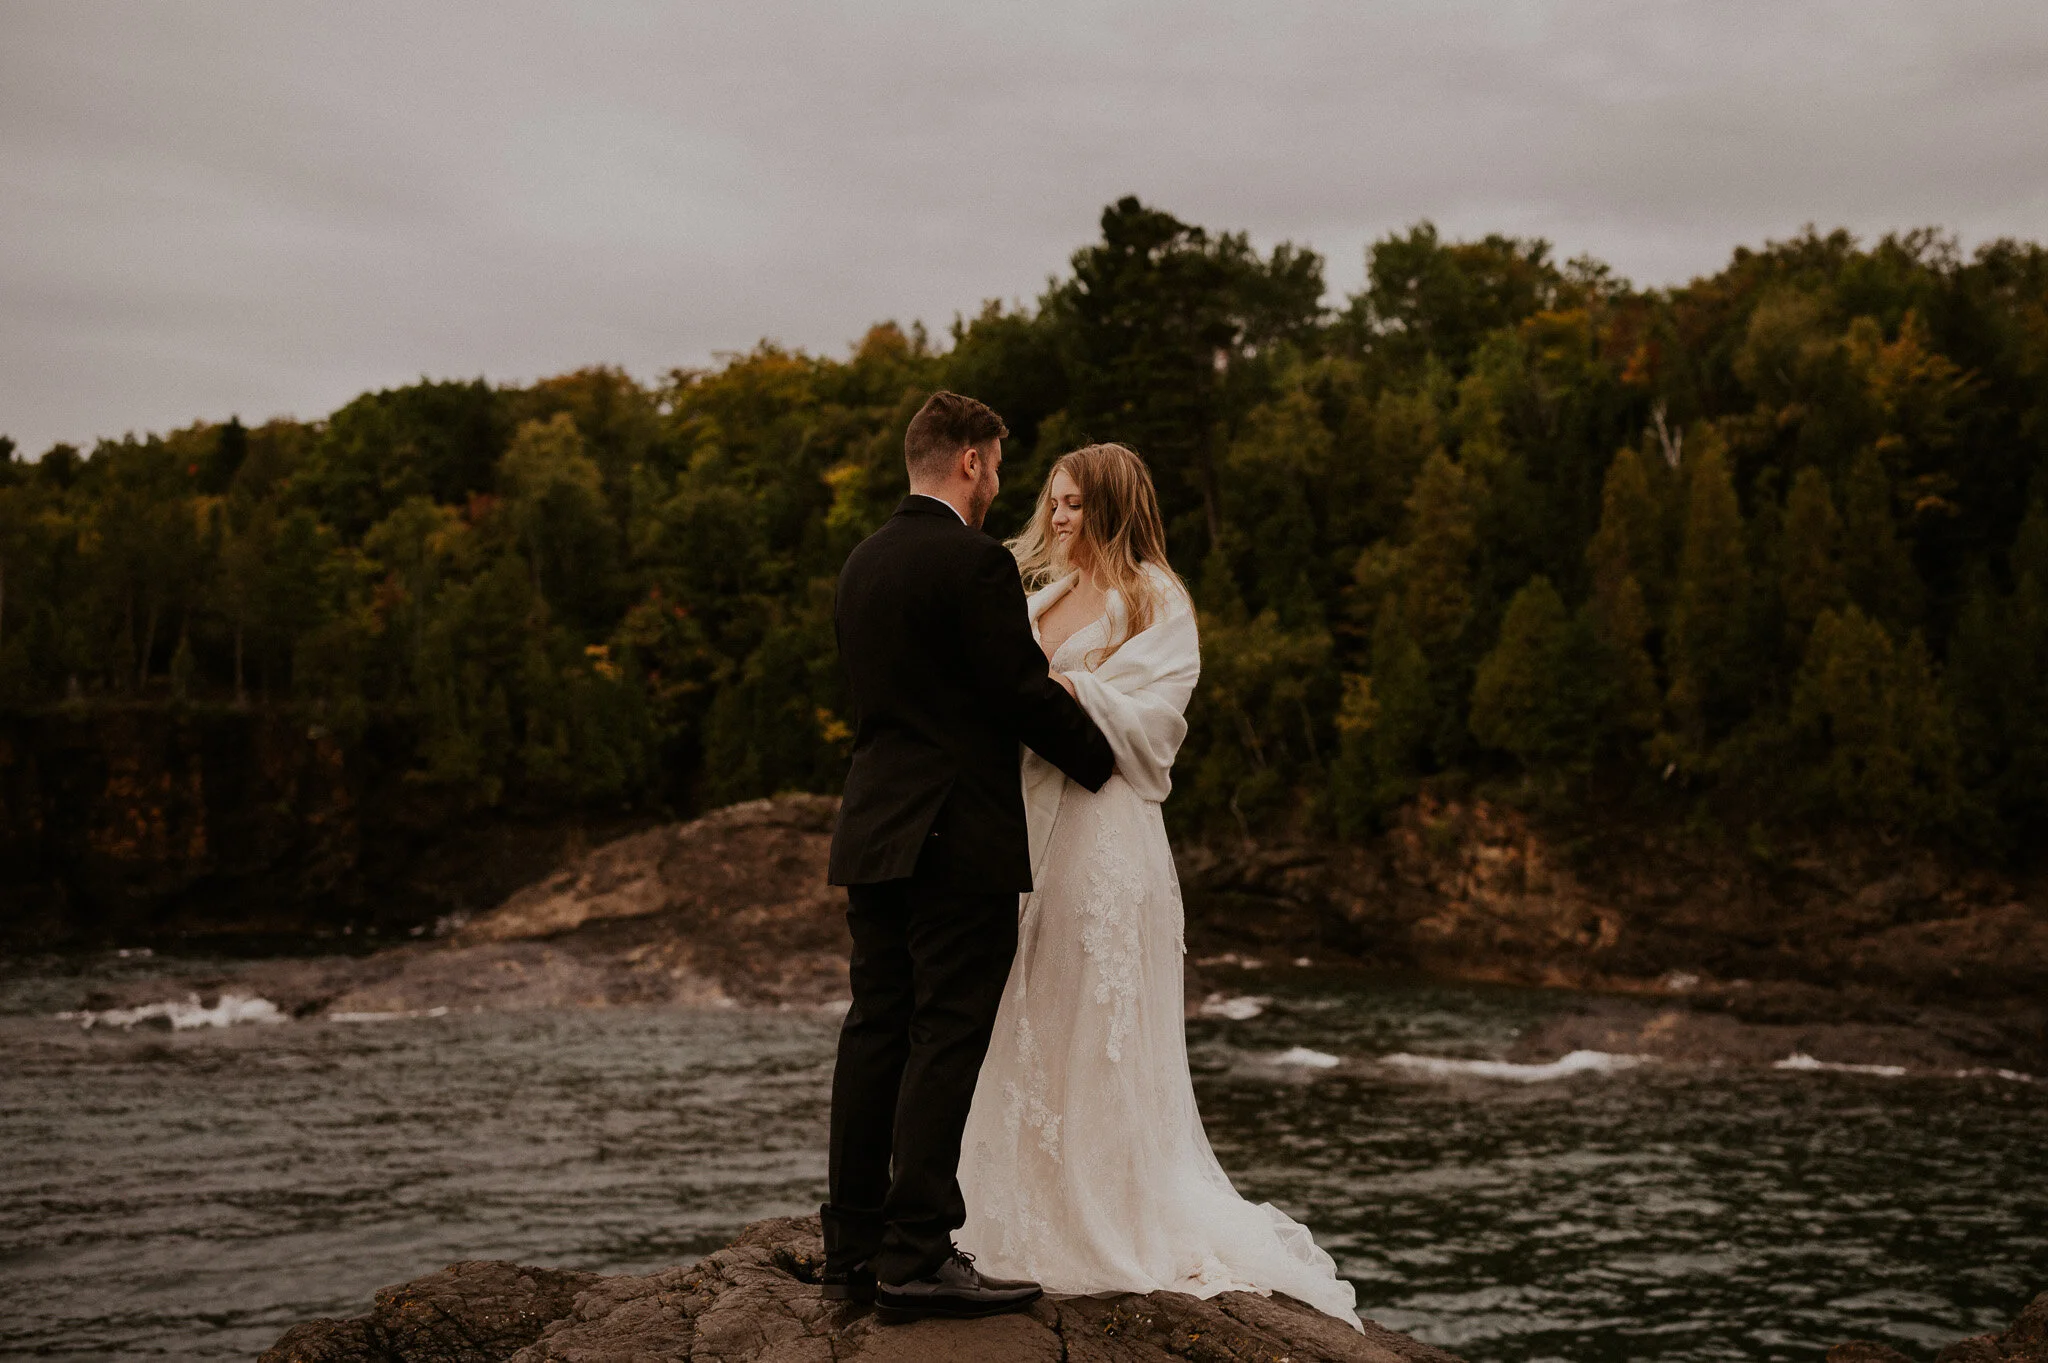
1242,1008
184,1014
1577,1062
1799,1060
389,1017
1307,1059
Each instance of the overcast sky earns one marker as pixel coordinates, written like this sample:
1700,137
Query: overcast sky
265,208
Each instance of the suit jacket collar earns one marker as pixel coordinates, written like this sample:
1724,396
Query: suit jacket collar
918,504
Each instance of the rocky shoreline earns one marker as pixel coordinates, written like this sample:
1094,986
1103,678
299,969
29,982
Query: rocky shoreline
732,910
756,1300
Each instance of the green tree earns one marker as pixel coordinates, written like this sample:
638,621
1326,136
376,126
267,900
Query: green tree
1875,725
555,498
1625,547
1534,695
1708,649
1162,322
1811,561
1876,568
1424,296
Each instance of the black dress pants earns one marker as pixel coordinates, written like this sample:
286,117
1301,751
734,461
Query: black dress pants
928,969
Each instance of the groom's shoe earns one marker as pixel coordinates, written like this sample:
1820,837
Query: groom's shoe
852,1284
952,1289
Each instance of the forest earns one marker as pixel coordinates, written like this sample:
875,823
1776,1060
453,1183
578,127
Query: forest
1767,551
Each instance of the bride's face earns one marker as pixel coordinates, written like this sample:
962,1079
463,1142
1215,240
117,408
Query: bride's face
1065,495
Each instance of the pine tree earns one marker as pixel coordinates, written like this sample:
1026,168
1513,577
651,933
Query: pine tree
1876,568
1625,546
1436,560
1533,695
1811,570
1403,710
1878,732
1630,540
1618,626
1708,650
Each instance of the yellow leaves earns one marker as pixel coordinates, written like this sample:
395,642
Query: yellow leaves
831,728
849,483
1287,435
546,454
1561,347
1359,711
1912,383
1787,334
1641,369
601,663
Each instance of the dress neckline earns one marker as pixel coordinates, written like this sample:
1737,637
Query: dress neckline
1045,600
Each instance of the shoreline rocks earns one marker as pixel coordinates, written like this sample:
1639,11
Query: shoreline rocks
1479,892
732,910
756,1301
728,910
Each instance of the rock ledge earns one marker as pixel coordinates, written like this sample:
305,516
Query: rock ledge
755,1302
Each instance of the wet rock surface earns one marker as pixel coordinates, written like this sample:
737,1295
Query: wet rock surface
1794,1026
1478,891
756,1300
729,909
1885,963
1873,954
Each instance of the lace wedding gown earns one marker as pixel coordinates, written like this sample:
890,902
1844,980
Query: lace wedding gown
1085,1165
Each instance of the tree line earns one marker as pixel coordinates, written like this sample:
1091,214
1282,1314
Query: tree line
1767,550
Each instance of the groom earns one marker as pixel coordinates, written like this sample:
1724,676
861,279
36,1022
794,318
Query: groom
946,681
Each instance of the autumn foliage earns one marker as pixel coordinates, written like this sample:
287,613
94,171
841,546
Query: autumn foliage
1771,548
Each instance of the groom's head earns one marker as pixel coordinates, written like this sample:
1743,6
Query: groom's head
954,449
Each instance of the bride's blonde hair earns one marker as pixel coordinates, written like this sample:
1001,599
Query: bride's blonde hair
1121,535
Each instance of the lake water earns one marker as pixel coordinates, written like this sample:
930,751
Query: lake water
191,1193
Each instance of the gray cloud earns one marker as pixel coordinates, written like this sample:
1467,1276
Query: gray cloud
267,207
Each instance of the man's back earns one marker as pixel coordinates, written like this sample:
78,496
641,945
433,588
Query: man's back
946,680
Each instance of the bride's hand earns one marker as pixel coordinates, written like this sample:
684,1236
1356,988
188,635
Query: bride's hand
1064,680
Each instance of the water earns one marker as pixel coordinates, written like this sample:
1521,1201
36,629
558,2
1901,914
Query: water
192,1193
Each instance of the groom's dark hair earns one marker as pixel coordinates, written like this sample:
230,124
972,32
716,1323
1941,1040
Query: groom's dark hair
947,424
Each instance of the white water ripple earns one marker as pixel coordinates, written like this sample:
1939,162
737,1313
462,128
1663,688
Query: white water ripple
184,1014
1577,1062
1307,1059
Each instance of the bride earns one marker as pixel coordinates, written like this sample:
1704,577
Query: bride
1084,1164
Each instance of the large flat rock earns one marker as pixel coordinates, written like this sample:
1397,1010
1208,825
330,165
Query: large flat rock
756,1301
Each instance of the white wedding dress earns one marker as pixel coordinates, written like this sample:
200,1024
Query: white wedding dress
1085,1165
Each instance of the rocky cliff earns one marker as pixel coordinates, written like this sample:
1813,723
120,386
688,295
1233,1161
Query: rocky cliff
1478,891
757,1301
1876,952
730,909
1898,968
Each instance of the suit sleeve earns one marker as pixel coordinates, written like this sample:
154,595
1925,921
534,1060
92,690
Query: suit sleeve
1012,676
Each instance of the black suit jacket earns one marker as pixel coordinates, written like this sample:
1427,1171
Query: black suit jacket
946,681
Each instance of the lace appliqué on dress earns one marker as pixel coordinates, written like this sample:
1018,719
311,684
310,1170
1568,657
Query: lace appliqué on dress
1109,934
1025,1102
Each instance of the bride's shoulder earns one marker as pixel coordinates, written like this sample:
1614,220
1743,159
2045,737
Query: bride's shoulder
1168,590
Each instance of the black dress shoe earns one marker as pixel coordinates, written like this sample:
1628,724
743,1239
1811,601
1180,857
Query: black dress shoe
853,1284
953,1289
